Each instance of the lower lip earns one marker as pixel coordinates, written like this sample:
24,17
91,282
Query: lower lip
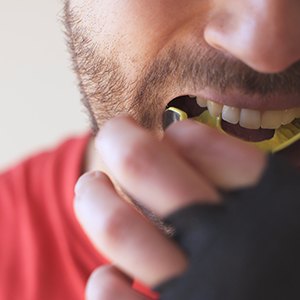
256,102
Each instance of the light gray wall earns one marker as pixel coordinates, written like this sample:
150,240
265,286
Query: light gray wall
40,102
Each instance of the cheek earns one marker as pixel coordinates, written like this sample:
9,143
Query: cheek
138,27
143,22
136,30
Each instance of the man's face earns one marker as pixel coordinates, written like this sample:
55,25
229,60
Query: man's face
137,55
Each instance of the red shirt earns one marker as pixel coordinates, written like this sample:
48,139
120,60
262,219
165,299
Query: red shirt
44,253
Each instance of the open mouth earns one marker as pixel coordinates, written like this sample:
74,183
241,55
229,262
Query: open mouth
271,129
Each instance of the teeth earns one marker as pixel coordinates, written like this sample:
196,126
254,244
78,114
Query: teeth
271,119
201,102
214,108
250,118
231,114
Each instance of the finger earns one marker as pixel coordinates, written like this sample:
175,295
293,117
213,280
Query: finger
121,234
108,283
226,161
150,171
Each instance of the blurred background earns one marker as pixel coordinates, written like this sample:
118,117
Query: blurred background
40,102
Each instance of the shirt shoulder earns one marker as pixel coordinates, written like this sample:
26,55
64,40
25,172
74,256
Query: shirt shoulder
38,227
36,173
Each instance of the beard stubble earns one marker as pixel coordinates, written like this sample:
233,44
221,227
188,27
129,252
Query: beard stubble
107,93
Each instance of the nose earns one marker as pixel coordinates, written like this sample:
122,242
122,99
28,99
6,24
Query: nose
264,34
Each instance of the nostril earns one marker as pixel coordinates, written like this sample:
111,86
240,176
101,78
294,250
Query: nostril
265,44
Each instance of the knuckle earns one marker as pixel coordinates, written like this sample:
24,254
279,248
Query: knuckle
115,227
135,158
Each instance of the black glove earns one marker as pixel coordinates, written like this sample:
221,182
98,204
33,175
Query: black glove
248,248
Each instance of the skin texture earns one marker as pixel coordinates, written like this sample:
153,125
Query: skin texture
165,183
135,56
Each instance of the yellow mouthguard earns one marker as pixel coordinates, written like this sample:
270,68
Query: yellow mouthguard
284,136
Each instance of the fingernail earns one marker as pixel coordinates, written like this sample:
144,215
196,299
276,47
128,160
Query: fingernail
84,179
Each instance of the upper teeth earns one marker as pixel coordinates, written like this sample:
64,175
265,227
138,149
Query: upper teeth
249,118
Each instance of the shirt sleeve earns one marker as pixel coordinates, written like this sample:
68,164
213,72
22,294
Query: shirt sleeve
246,248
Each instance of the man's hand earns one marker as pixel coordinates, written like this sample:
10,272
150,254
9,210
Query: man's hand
192,164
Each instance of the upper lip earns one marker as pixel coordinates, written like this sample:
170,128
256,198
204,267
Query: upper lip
239,99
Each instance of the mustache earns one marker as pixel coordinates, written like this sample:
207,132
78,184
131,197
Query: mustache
203,66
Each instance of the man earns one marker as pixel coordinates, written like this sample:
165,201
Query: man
241,60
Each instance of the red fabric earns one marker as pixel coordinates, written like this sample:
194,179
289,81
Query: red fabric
44,253
145,291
